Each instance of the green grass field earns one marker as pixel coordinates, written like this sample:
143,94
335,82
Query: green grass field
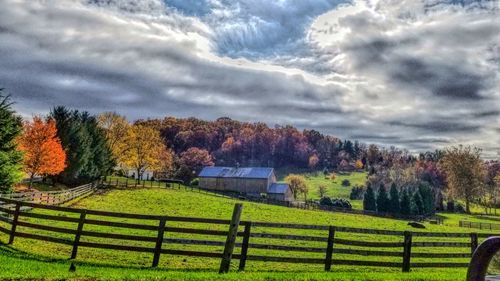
36,259
334,187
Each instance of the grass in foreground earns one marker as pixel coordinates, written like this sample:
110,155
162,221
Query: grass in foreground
14,266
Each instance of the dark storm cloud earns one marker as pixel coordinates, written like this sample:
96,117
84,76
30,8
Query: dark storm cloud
388,81
448,81
439,126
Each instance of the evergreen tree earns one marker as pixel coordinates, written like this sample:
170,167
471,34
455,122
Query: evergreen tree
427,199
394,200
382,200
405,204
369,203
10,157
88,155
417,205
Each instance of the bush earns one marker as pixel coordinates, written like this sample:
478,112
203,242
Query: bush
346,182
195,182
459,208
341,203
337,203
450,206
356,193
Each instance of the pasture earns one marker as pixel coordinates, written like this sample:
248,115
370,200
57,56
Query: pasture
175,202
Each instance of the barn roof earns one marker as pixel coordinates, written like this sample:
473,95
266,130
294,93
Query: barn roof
226,172
278,188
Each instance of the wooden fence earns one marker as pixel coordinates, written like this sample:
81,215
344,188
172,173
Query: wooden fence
53,197
479,225
259,241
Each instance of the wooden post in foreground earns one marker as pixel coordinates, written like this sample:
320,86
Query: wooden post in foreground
473,243
244,245
14,223
329,248
159,241
407,251
78,234
231,239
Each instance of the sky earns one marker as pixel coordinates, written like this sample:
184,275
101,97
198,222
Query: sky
420,74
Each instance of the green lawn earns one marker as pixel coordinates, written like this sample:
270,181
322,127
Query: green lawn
109,264
334,187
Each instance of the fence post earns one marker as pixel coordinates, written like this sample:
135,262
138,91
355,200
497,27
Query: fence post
231,239
329,248
244,245
78,234
473,242
407,251
460,223
14,223
159,241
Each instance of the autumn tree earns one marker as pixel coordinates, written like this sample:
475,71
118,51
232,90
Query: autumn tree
166,162
313,161
143,149
10,157
322,190
191,162
465,173
298,185
43,152
115,129
359,164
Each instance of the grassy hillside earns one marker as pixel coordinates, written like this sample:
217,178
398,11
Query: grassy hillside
187,203
334,187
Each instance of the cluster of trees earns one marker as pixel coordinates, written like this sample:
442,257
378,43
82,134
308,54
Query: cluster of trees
230,142
67,146
404,202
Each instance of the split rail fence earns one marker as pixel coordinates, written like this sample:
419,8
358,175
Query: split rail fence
479,225
256,241
52,197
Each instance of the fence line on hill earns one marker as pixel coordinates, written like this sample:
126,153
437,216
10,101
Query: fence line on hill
299,205
53,197
160,226
480,225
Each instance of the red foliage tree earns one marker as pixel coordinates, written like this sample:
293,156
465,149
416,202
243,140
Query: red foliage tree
43,152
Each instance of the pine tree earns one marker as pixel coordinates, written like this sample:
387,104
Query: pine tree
394,200
10,157
417,205
427,199
369,203
405,204
382,200
88,154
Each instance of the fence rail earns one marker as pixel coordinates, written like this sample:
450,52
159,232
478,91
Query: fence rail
52,197
479,225
255,241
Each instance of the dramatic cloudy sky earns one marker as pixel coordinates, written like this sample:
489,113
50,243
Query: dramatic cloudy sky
418,74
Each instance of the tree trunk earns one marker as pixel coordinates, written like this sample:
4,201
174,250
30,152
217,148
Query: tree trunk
31,181
467,209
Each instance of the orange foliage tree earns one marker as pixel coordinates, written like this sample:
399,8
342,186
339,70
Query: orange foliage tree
43,152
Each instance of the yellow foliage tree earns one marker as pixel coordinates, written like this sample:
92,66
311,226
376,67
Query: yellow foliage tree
359,164
115,128
465,173
143,149
298,185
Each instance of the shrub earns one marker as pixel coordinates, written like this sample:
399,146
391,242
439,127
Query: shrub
450,206
459,208
195,182
346,182
341,203
356,193
325,201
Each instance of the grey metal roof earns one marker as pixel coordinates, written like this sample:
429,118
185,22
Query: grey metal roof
277,188
226,172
